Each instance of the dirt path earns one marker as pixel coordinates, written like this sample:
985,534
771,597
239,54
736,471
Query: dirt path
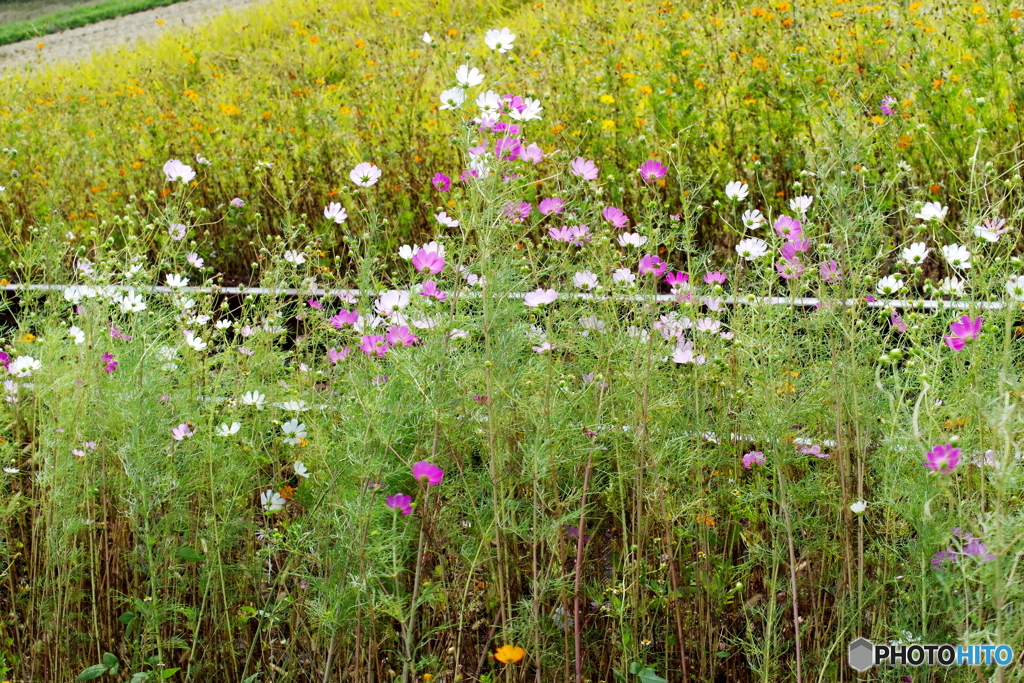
120,33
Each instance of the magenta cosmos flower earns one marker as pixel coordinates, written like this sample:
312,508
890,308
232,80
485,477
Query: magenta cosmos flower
400,501
962,331
424,471
943,458
109,363
886,105
754,458
344,317
441,182
652,265
652,170
428,261
583,168
401,336
374,345
788,227
715,277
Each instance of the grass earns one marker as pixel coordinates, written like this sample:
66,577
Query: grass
199,487
74,18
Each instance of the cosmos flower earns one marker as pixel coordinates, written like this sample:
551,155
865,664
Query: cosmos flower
942,458
916,253
752,219
540,297
615,216
932,211
788,227
754,458
737,191
957,256
551,205
652,170
441,182
335,212
632,239
500,40
294,431
468,77
583,168
174,170
365,174
751,248
452,99
424,471
962,331
889,285
652,265
585,280
400,502
272,501
427,261
181,432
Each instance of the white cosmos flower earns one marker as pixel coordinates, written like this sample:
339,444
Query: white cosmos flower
132,302
752,219
915,253
23,366
468,77
1015,287
444,219
271,500
624,275
294,432
684,354
452,98
500,40
335,212
175,170
175,280
426,38
737,191
634,239
585,280
298,406
223,324
932,211
75,293
530,113
300,469
365,174
76,334
858,507
225,430
195,342
889,285
254,398
391,301
489,102
957,256
296,258
800,204
752,248
952,285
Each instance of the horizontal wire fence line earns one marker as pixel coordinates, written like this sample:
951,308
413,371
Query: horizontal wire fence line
801,302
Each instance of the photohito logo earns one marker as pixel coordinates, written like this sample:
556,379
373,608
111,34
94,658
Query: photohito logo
864,654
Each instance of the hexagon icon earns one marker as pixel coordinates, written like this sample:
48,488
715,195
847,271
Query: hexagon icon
862,654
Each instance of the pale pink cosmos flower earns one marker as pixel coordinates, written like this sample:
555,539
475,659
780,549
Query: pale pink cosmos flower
335,355
365,174
583,168
181,432
430,289
715,277
195,260
633,239
585,280
545,347
393,300
540,297
573,234
830,272
177,231
399,336
790,268
685,355
534,154
624,276
335,212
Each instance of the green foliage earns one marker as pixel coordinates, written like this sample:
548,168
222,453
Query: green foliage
74,18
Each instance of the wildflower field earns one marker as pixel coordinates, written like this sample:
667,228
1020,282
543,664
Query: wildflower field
577,341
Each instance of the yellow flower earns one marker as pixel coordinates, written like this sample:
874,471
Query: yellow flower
607,99
507,654
607,124
28,338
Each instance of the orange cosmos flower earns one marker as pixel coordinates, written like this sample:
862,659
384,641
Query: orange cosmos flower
508,654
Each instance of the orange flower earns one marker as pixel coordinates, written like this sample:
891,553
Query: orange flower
507,654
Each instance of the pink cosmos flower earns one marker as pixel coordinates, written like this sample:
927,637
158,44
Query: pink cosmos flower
424,471
584,169
313,303
110,363
573,234
401,336
430,289
652,265
237,202
615,216
540,297
814,450
679,278
794,246
943,458
518,211
374,345
181,431
896,321
788,227
544,347
344,317
716,277
754,458
507,148
886,105
551,205
335,355
175,170
401,502
441,182
963,331
652,170
429,261
830,272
